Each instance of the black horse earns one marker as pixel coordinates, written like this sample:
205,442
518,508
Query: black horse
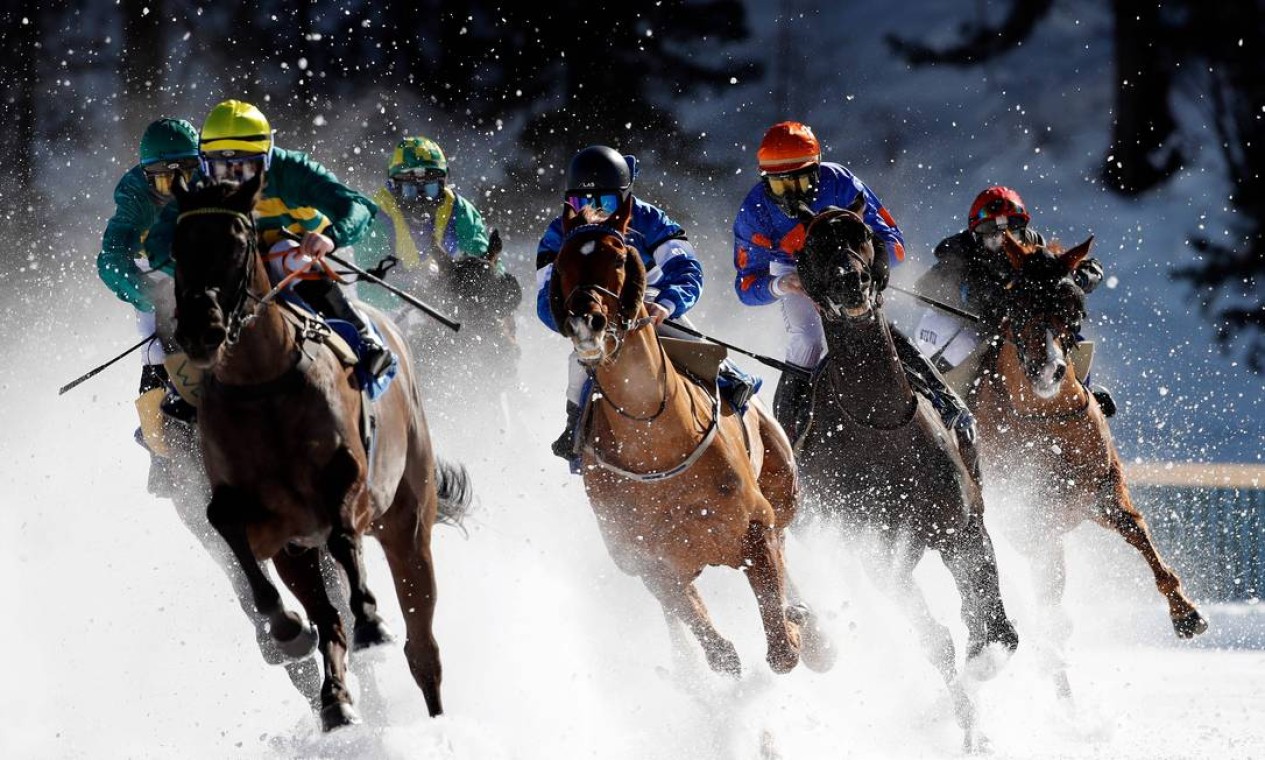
877,457
482,359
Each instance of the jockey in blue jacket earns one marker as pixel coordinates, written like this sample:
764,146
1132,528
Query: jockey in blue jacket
768,237
599,176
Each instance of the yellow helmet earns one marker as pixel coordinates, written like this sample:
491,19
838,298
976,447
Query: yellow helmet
237,126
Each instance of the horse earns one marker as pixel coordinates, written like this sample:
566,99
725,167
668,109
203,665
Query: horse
293,465
677,479
481,360
877,457
1039,423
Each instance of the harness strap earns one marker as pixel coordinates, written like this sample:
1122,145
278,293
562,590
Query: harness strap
650,477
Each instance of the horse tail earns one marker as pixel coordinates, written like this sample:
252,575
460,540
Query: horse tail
452,483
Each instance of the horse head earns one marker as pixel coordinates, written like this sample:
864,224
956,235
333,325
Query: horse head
477,284
215,250
838,265
1042,309
598,281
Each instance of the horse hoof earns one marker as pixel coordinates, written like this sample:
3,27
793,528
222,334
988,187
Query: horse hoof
302,645
987,662
369,634
723,658
338,715
816,650
783,661
1190,625
975,743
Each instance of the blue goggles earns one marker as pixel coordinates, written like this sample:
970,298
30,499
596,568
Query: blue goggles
607,202
417,188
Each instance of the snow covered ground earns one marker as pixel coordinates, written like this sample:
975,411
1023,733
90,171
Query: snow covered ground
126,641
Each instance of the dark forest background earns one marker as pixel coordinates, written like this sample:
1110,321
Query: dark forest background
522,75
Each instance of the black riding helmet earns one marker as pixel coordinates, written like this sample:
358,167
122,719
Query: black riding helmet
598,169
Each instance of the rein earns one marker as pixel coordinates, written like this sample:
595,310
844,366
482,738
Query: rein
237,319
994,358
835,313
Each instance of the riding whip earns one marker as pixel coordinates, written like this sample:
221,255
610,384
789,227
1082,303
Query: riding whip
774,363
938,304
451,324
93,373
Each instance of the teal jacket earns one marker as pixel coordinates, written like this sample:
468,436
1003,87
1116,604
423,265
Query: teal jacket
135,211
299,194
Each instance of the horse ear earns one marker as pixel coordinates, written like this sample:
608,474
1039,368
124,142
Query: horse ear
858,204
1013,250
634,283
557,308
623,215
569,215
494,246
1074,257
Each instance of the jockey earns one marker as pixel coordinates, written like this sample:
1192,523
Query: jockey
599,176
971,272
419,214
298,194
768,236
169,147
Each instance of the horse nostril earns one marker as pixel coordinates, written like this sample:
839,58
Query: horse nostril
1059,372
214,335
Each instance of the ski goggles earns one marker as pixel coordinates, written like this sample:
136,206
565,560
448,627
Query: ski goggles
606,202
235,168
161,175
797,183
1000,223
413,187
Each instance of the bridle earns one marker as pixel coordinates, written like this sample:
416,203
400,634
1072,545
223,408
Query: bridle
615,331
834,312
238,318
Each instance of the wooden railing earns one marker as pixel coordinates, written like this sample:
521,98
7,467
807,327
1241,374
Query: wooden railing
1209,521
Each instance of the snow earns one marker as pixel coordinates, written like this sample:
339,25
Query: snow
126,642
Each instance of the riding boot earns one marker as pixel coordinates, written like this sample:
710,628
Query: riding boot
565,445
1105,401
330,300
792,405
927,379
736,385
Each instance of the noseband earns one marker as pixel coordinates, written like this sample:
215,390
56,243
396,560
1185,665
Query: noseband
835,313
615,331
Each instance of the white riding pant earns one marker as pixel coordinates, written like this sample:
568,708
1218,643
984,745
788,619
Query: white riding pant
162,320
945,337
806,340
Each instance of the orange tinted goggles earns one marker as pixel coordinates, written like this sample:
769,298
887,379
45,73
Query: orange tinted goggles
782,184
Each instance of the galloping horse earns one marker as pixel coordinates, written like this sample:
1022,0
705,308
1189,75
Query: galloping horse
483,359
677,479
1038,423
878,457
285,452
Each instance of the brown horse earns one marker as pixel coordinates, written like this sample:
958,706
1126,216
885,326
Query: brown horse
1039,424
878,458
678,480
286,456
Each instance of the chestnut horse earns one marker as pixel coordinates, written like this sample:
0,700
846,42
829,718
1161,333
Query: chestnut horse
280,426
1039,424
878,459
677,479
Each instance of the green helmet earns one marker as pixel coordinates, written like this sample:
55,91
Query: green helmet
416,154
169,140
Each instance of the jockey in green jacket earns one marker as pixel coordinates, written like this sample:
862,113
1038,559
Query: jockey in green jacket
169,148
298,194
419,214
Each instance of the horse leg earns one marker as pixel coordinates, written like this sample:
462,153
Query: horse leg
816,650
897,580
969,555
301,572
682,601
766,572
1050,568
230,512
1116,511
368,630
405,538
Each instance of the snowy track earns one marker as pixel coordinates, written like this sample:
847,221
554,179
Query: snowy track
125,641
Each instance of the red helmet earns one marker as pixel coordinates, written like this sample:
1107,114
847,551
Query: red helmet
788,146
998,201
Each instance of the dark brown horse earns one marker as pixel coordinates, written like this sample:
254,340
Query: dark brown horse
285,452
1039,425
677,479
878,458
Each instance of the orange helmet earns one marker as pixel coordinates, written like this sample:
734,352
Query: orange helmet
788,146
